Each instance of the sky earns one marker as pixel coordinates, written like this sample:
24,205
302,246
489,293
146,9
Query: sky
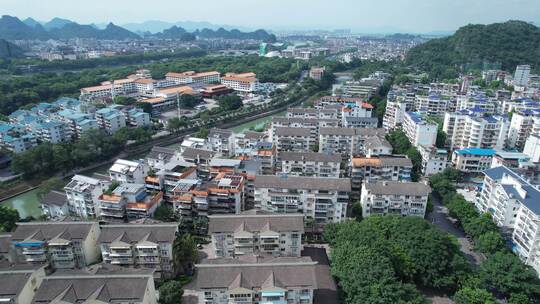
362,16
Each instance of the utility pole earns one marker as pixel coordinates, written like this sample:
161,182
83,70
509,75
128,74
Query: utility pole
178,104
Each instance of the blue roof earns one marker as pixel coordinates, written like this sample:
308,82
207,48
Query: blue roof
476,151
416,117
532,197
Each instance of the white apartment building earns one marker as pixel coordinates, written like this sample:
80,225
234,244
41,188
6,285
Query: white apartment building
127,171
434,160
513,203
349,142
478,102
314,124
419,131
245,82
310,164
521,75
278,280
139,245
470,129
82,193
323,200
379,168
266,234
432,104
397,104
390,197
521,127
59,244
532,148
221,141
472,160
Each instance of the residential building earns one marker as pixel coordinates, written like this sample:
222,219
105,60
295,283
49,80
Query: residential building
532,148
139,245
294,139
127,200
471,129
160,156
127,171
521,75
434,160
54,205
223,194
323,200
390,197
82,193
349,142
110,119
193,77
360,122
316,73
418,130
391,168
221,141
310,164
287,280
270,234
74,287
59,244
521,126
245,143
200,158
511,159
19,283
432,104
513,204
472,160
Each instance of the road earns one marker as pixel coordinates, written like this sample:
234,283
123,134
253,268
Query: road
440,218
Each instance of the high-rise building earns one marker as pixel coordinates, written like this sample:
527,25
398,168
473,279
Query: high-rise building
521,76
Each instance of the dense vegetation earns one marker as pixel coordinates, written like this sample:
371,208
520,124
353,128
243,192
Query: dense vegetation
235,34
382,259
508,44
503,273
401,145
8,218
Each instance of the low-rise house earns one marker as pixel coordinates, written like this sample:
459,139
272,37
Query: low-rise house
136,245
127,171
59,244
54,205
221,141
199,157
127,201
271,234
390,197
323,200
288,280
310,164
97,288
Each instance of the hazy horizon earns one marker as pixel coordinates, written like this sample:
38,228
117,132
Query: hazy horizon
413,16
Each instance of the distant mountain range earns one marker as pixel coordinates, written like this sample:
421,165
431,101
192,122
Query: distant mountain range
12,28
156,26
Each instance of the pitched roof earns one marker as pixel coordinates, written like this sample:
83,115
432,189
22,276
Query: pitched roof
55,198
134,233
45,231
287,131
309,156
397,188
256,223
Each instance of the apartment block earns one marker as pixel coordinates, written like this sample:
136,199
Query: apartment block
20,283
390,197
472,160
54,205
310,164
193,77
345,141
139,245
532,148
432,104
391,168
59,244
259,234
294,139
472,129
127,201
244,82
110,119
513,204
221,141
434,160
521,126
287,280
323,200
418,130
103,288
313,124
82,193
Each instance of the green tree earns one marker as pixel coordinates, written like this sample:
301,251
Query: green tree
47,186
490,242
519,298
165,213
356,211
8,218
123,100
505,273
171,292
175,124
185,253
473,296
230,102
202,133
